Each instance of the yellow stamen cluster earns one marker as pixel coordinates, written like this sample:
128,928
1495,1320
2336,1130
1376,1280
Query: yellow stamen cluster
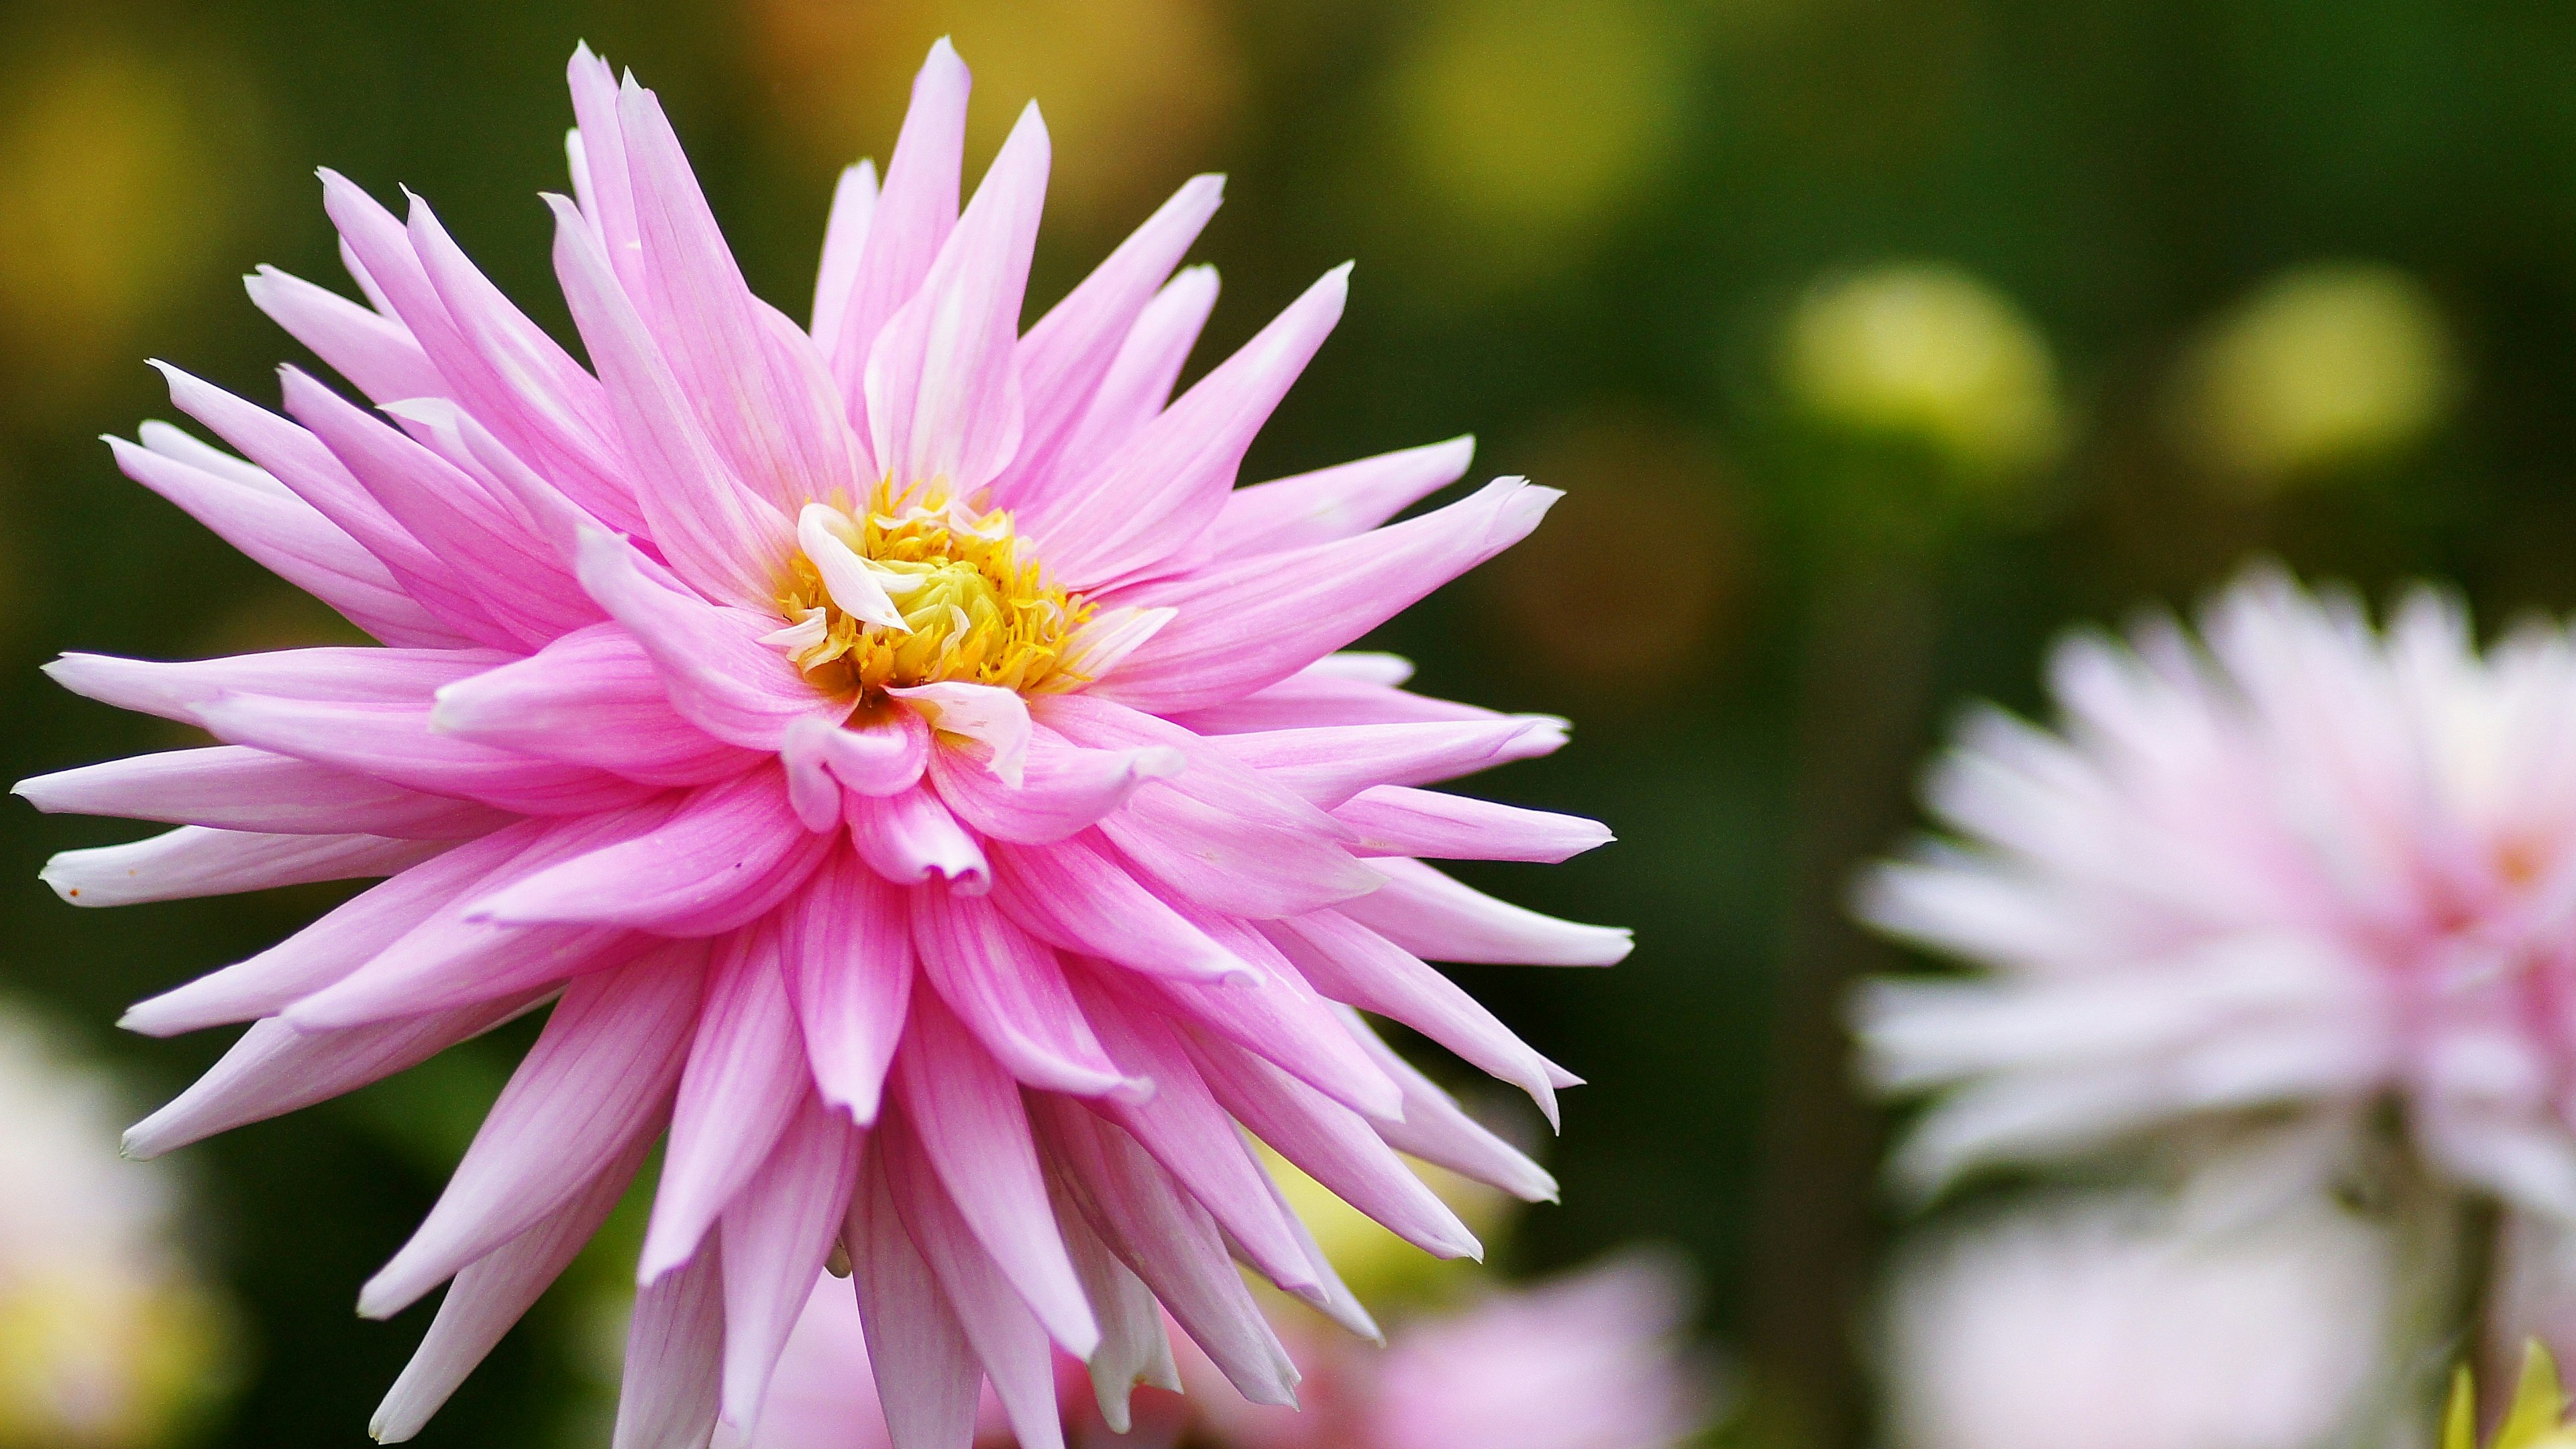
976,610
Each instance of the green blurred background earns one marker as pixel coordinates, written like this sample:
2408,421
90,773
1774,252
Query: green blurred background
1874,341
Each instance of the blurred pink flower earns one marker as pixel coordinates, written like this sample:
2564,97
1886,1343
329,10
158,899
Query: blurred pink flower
1591,1361
2300,864
2117,1324
915,774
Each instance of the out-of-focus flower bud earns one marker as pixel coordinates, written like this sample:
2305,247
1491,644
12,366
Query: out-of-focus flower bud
2328,366
1928,353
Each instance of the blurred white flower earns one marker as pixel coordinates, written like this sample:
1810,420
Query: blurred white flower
2111,1323
107,1339
2299,864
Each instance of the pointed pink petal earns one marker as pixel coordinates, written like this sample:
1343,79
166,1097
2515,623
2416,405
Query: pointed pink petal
943,389
1076,896
1164,485
912,220
1063,788
1136,387
1214,778
1398,820
1435,1130
745,1079
592,697
1281,1018
1249,624
274,1069
1009,990
489,1296
910,837
609,200
968,1119
1227,864
1328,764
671,1389
1335,503
194,861
1008,1340
1313,696
233,788
597,1081
720,676
394,743
733,850
1134,1349
1438,919
175,690
775,1236
373,352
1064,358
845,236
849,950
926,1374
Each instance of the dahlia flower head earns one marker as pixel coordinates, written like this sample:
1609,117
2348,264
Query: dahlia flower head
2300,866
915,776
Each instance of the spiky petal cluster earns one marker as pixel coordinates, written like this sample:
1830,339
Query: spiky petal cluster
980,986
2300,865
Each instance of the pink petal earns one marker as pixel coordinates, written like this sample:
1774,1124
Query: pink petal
194,861
1133,1346
762,393
1334,503
1328,764
967,1117
1281,1019
490,1296
997,719
733,850
845,236
1065,356
375,353
719,535
608,198
1077,896
1254,623
1435,1130
673,1378
775,1236
943,391
912,220
745,1080
1397,820
597,1082
1438,919
233,788
849,952
910,837
885,755
176,690
1009,990
1318,695
274,1069
592,697
720,676
1227,864
1165,484
926,1375
1137,385
394,743
1063,788
1334,1145
1010,1342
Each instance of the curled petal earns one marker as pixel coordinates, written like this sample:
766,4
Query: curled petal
910,837
1064,788
997,719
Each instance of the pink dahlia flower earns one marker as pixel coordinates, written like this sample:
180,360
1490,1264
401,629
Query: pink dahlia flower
919,781
2301,865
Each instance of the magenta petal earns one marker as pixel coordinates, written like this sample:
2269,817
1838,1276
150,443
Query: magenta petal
1254,623
489,1296
1397,820
1322,695
234,788
720,676
673,1381
1134,1349
1076,895
1328,764
592,697
373,351
1335,503
1009,990
1282,1019
733,850
845,236
913,217
926,1375
597,1082
1438,919
1435,1130
176,690
1137,386
849,952
775,1236
1008,1339
1063,788
195,861
393,742
967,1116
745,1079
910,838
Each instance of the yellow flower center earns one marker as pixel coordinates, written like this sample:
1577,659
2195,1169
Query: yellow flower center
974,610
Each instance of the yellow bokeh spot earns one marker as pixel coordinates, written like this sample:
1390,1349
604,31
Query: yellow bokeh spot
2536,1419
1931,353
1137,93
2325,367
93,1357
975,609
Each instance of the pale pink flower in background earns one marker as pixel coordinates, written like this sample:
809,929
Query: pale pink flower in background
1593,1360
2300,864
2118,1323
917,777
